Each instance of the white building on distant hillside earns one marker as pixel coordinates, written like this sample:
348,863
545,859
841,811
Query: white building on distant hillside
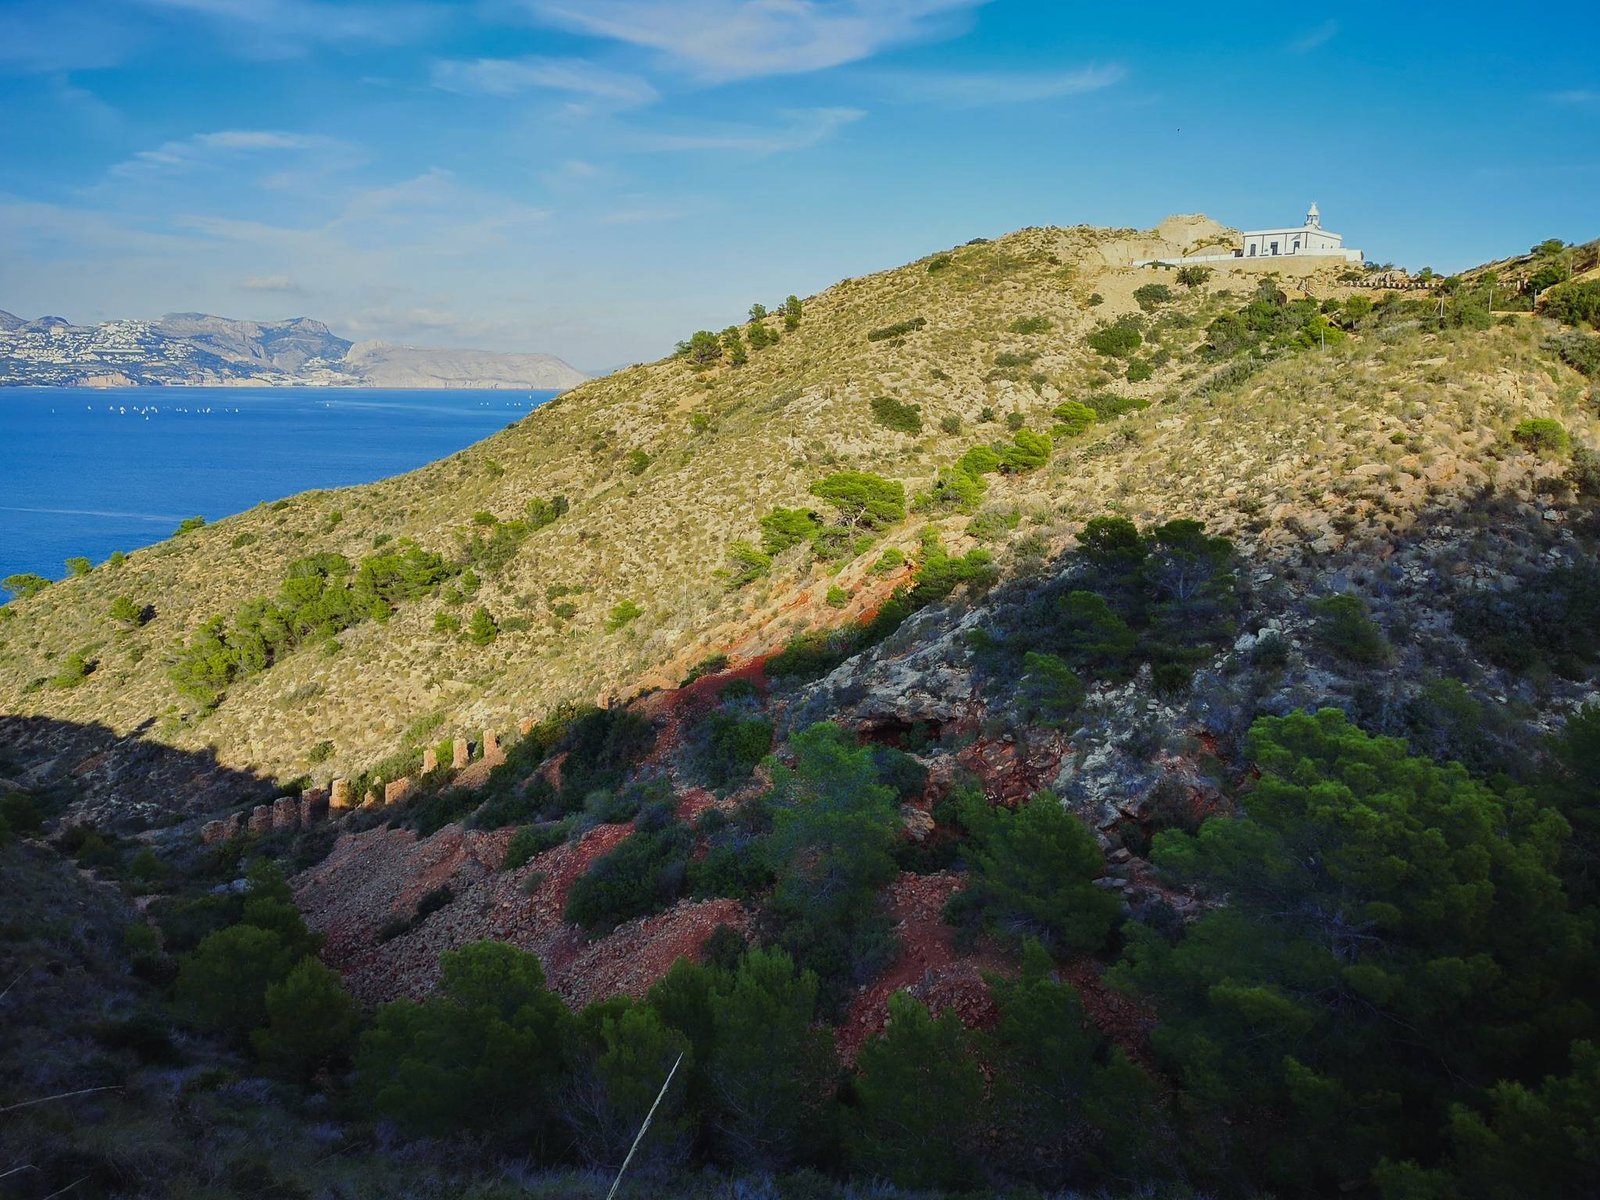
1310,240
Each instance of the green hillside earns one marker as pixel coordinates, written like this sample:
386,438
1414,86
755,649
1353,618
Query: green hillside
1067,726
1327,428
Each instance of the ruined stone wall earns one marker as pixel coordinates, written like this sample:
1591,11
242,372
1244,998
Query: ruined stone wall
315,805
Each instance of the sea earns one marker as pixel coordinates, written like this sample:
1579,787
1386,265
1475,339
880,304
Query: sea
84,472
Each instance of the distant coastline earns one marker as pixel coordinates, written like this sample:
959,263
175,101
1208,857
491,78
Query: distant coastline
103,384
200,350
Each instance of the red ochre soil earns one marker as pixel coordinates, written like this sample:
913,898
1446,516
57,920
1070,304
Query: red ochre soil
379,876
927,965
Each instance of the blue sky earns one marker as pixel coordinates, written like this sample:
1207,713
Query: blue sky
598,178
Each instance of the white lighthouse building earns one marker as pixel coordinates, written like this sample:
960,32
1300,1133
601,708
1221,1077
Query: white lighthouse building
1309,238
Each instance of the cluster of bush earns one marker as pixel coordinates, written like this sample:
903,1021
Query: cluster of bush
1390,992
1270,321
733,344
1334,1021
321,595
960,487
1548,621
1579,350
864,504
491,543
1574,303
257,980
897,415
899,329
1167,597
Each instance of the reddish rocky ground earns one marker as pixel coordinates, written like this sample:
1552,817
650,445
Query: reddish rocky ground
380,875
928,965
377,878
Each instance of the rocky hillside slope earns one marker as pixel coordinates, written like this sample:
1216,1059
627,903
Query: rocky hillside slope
664,468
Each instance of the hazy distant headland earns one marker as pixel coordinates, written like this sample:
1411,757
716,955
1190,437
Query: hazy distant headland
199,349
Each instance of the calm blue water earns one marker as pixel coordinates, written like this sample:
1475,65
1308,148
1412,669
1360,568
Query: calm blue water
88,472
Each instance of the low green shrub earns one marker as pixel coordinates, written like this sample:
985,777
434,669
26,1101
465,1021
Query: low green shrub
1151,296
713,664
785,528
889,562
1073,418
1118,340
730,746
1344,627
533,840
898,329
624,612
747,564
1580,351
1574,303
516,804
1542,435
645,873
993,524
895,415
1032,871
1027,451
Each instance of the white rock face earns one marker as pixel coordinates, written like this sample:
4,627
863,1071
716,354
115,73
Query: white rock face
381,365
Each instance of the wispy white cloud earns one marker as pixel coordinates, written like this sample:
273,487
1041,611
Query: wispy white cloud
203,148
510,77
723,40
431,214
83,104
291,28
644,212
43,228
801,128
979,89
1313,38
282,284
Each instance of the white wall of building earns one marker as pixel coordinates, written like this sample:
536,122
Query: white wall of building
1305,240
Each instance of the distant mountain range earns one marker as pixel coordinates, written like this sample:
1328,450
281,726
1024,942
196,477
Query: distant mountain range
199,349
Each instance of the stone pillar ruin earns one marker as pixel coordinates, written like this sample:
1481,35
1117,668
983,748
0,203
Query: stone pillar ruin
285,812
261,819
397,791
525,726
374,794
458,758
493,756
339,798
213,831
232,825
313,807
430,760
